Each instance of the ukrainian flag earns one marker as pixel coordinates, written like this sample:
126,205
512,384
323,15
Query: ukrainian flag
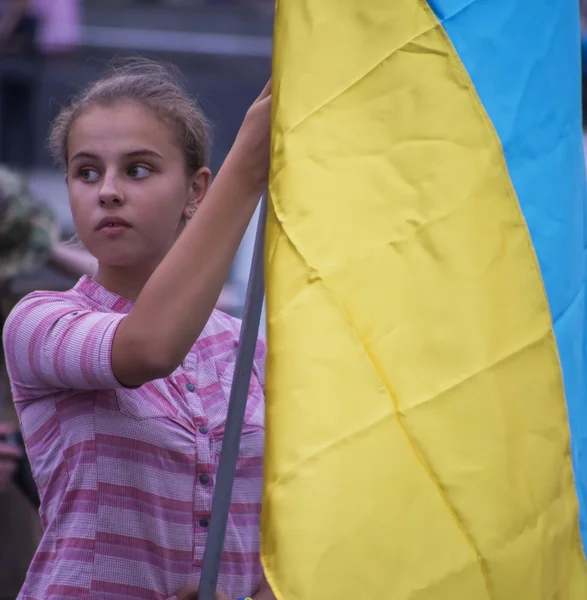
426,393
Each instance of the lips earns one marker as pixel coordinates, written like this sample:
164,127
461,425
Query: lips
110,222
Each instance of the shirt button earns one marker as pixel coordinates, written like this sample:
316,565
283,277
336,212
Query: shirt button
204,479
203,429
203,522
190,387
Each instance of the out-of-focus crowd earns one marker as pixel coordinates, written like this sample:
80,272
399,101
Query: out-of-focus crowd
29,240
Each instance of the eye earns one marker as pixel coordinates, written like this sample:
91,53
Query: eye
139,172
89,175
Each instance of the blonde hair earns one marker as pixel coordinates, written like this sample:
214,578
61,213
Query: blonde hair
152,84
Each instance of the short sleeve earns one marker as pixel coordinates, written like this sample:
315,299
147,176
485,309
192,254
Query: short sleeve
53,342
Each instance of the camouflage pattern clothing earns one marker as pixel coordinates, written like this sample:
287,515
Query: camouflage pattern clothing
27,232
27,229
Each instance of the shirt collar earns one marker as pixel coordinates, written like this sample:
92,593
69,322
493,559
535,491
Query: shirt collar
86,286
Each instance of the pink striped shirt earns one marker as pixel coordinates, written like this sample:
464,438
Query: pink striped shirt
126,476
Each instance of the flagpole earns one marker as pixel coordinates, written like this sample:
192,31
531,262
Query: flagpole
236,413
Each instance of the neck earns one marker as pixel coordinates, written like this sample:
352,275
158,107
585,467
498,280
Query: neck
129,281
123,281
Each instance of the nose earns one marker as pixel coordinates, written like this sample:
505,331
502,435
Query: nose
110,193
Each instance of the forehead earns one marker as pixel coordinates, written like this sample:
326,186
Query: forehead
114,130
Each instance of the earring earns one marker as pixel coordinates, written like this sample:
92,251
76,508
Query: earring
192,211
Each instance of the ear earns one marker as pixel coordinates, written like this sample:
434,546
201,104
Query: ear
199,183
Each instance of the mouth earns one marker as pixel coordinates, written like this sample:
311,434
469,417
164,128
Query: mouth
112,224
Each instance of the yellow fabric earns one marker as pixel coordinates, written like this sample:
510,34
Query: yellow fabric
417,438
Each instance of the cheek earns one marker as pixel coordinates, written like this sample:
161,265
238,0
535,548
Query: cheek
79,211
163,204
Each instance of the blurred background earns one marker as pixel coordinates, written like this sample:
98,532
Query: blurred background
49,50
222,47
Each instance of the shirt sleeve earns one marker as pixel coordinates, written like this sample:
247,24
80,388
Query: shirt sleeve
50,342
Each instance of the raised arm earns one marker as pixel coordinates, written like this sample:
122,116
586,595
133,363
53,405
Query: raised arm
176,302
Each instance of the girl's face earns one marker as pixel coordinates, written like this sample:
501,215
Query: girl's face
128,187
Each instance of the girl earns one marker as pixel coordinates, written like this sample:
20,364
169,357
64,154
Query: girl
122,383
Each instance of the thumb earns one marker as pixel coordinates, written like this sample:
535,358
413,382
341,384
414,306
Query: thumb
265,92
6,429
189,592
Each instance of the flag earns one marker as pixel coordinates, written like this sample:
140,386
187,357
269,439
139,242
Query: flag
426,429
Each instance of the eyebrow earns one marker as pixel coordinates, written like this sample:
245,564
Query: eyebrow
133,154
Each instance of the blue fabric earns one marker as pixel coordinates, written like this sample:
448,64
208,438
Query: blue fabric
524,58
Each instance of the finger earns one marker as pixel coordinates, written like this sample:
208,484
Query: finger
6,428
7,471
266,92
266,102
189,592
7,467
9,451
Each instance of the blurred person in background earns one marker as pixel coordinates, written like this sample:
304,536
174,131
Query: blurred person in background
26,237
18,27
60,23
29,30
19,75
20,529
29,241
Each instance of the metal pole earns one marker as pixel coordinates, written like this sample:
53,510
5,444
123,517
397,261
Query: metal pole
235,417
